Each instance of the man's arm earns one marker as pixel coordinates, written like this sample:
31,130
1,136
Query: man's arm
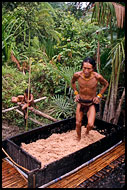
31,99
73,81
104,83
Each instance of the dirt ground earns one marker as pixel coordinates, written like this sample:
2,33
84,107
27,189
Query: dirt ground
9,130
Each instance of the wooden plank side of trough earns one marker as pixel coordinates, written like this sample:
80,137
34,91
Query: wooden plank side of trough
4,145
103,124
21,157
32,178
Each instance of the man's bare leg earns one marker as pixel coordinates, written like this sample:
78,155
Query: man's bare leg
79,116
78,130
91,114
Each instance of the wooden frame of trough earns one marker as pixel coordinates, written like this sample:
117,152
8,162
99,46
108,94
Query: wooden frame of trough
38,176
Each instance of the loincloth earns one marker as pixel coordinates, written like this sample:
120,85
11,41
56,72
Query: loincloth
87,103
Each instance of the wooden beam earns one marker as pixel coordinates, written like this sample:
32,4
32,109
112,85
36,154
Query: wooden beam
21,113
34,120
37,112
37,100
15,107
9,109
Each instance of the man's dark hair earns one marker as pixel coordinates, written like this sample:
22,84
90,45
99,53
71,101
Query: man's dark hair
26,91
90,60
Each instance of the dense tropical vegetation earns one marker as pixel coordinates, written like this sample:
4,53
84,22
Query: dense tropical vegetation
51,39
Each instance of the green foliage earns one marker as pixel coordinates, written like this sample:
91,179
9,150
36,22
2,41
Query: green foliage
9,34
78,39
28,20
64,76
58,5
43,79
12,84
63,107
75,8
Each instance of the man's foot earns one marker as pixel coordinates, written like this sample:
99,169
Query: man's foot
78,138
87,131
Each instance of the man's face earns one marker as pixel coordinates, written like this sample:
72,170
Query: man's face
87,69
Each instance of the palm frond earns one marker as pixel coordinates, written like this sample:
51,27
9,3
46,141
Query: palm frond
63,108
105,11
116,47
120,14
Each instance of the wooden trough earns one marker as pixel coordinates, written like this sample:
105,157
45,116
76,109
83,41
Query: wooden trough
38,176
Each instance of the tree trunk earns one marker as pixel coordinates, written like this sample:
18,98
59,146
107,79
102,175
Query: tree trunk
105,111
109,113
109,109
118,111
107,101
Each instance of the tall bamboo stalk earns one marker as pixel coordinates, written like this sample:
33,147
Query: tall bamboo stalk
28,92
29,62
98,70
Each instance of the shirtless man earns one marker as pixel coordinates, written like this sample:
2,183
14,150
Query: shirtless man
28,103
87,99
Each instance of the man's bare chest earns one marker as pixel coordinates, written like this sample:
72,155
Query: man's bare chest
90,84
